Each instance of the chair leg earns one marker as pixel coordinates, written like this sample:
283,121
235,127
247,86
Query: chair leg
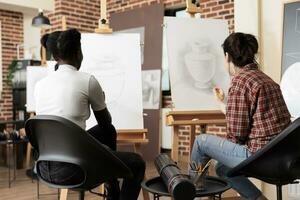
279,192
81,195
63,194
101,191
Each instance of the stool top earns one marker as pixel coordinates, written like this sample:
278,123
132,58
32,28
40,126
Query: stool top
213,186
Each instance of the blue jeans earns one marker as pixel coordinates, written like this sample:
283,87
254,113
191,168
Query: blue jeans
228,155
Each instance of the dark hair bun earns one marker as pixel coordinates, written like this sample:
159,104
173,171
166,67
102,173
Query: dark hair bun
63,45
241,48
68,43
44,40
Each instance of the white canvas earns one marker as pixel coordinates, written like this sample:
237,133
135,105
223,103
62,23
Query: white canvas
196,61
33,74
151,88
115,61
141,31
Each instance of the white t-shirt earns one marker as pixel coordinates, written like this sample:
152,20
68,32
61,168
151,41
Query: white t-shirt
69,93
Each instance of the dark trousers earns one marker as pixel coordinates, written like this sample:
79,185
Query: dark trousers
66,173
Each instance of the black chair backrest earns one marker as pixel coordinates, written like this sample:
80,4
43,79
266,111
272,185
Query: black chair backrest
276,163
58,139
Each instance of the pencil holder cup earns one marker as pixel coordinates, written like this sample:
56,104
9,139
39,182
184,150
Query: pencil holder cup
198,179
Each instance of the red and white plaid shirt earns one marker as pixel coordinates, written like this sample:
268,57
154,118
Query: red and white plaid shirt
256,111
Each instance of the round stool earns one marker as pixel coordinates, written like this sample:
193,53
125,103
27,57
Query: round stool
214,187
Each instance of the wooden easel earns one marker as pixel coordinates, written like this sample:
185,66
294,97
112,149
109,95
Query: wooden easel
135,137
192,8
191,118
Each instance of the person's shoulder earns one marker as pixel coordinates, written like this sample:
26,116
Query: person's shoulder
83,75
257,79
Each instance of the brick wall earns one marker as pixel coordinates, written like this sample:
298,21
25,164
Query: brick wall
12,35
84,15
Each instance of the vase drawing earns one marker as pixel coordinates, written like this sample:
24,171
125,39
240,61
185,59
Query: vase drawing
107,70
201,64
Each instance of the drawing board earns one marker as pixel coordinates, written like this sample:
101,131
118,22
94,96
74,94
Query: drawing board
115,61
196,61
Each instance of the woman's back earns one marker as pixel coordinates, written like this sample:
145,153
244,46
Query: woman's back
66,93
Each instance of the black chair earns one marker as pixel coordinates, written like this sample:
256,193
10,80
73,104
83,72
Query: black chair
278,162
58,139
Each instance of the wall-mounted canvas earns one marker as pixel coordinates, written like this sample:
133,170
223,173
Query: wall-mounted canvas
115,61
151,88
196,61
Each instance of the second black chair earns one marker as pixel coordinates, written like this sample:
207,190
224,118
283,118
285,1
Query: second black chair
60,140
278,162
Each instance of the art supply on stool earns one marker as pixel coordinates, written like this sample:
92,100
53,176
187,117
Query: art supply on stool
178,184
198,174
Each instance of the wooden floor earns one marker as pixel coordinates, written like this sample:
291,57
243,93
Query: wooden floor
24,189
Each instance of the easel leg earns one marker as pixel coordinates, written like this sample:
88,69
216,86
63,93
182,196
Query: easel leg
192,139
175,138
63,194
137,149
101,191
28,152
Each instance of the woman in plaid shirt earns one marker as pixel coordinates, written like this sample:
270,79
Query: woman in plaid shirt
255,114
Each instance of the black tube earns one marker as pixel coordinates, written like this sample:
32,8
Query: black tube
178,184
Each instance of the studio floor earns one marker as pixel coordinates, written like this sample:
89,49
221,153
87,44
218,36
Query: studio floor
26,189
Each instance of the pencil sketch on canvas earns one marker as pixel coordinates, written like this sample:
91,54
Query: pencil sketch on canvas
196,61
151,88
115,61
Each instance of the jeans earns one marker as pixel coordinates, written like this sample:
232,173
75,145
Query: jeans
228,155
66,173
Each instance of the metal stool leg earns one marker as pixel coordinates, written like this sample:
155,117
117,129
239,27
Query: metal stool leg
279,192
9,161
81,195
38,188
